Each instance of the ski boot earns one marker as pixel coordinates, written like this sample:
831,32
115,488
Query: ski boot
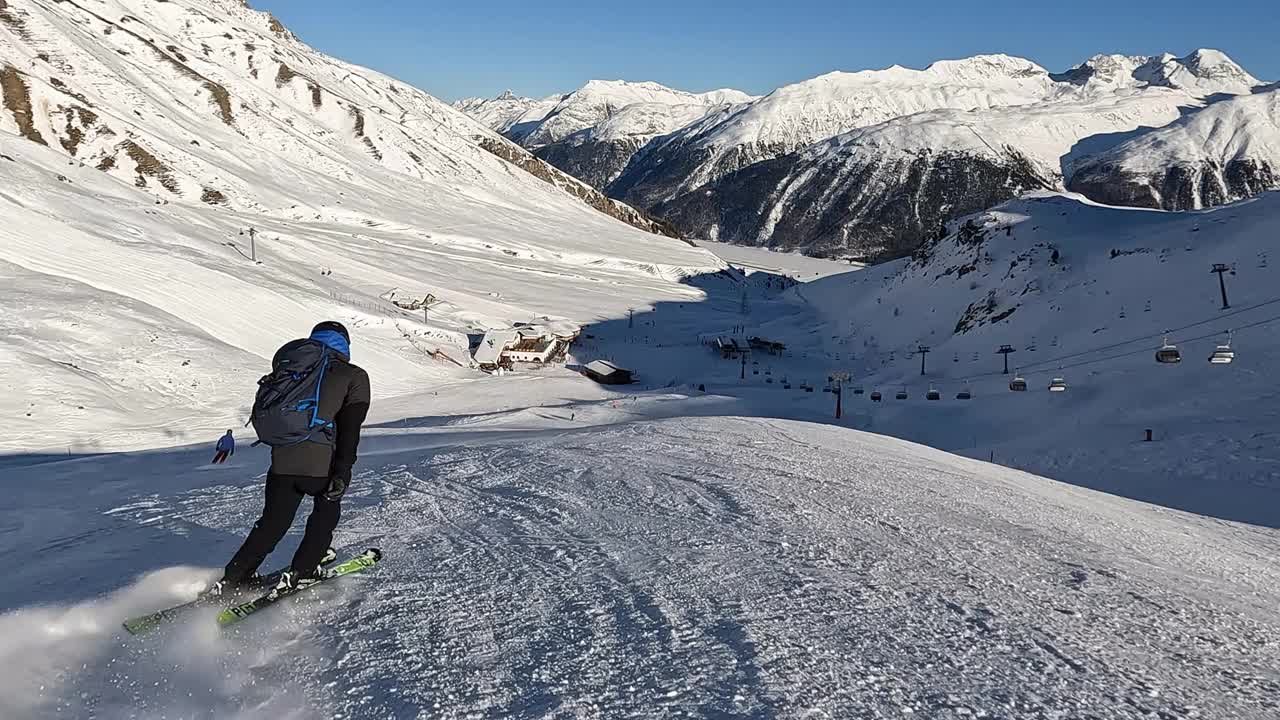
291,581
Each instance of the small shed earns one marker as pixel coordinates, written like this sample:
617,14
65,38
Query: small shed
606,373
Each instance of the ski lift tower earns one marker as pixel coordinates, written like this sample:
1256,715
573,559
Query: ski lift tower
924,351
838,379
1222,269
1005,350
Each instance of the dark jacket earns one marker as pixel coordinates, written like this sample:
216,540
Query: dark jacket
344,397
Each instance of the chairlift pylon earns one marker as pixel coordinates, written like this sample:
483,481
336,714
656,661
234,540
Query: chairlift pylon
1168,353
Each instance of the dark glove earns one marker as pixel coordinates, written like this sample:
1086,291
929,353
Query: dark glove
338,482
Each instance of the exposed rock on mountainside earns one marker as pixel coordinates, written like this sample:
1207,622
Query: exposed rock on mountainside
1226,152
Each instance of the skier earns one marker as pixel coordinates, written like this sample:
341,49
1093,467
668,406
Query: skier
319,465
226,448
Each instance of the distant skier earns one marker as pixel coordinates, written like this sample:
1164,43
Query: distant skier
309,410
226,448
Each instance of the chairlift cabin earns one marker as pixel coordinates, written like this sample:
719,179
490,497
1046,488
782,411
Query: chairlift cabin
964,394
857,390
876,396
902,394
933,394
1018,384
1224,354
1058,385
1168,353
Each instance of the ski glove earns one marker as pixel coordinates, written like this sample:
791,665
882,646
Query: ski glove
338,482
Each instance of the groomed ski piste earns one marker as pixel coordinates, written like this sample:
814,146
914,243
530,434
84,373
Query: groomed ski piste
642,566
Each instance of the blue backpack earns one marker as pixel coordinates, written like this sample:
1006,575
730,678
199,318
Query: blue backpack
286,410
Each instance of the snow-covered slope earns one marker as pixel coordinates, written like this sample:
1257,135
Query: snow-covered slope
1226,152
141,139
877,191
625,566
1086,293
209,100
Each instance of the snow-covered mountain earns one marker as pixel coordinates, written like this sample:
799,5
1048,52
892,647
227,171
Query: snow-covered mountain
600,100
509,114
141,139
593,132
1225,152
210,100
796,116
1202,72
911,148
878,191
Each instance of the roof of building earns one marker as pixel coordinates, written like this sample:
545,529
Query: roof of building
491,347
604,367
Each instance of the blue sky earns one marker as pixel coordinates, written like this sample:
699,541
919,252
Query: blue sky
458,49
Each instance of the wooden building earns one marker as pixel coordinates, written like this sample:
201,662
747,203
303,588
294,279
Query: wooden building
606,373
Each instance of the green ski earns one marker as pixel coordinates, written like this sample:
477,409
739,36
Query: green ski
151,621
366,559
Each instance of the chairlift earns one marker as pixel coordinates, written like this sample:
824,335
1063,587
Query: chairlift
964,394
876,396
1224,354
902,394
933,394
1058,385
1168,353
1018,383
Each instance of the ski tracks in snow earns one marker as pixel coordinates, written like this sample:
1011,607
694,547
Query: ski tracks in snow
723,568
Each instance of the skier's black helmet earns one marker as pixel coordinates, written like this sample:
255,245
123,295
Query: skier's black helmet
333,325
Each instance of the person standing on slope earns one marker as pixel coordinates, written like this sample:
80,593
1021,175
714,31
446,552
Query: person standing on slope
225,448
309,410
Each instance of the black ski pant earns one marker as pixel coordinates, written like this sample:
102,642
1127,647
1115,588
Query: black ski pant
284,494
